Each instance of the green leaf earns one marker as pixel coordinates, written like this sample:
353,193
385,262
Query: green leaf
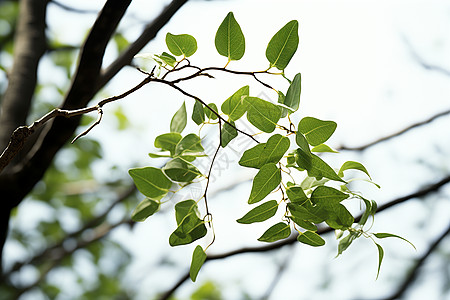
179,120
276,232
296,194
182,44
323,148
167,58
250,158
191,143
307,212
308,225
326,194
145,209
265,181
260,213
121,42
302,143
181,171
352,165
209,114
281,99
228,133
190,226
198,113
311,238
338,216
168,141
262,114
292,98
380,258
235,106
388,235
270,152
230,41
184,208
150,181
367,212
320,169
283,45
345,242
198,259
316,131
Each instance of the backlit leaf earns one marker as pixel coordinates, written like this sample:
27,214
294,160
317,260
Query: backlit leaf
323,148
307,212
198,113
209,114
276,232
320,169
352,165
292,98
326,194
190,226
198,258
270,152
235,106
380,257
145,209
311,238
168,141
316,131
230,41
150,181
262,114
388,235
181,171
189,143
167,58
267,179
228,133
345,242
179,120
260,213
283,45
182,44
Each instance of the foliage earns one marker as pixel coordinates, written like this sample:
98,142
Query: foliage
290,151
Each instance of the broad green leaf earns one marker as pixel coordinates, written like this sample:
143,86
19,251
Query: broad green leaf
311,182
308,225
167,58
352,165
326,194
198,113
311,238
283,45
388,235
179,120
320,169
323,148
150,181
380,258
182,44
345,242
296,195
230,41
184,208
198,259
265,181
307,212
191,143
338,216
260,213
250,158
209,114
292,98
276,232
190,226
235,106
145,209
168,141
228,133
262,114
316,131
270,152
181,171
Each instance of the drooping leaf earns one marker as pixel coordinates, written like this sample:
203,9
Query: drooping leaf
150,181
338,216
167,58
326,194
311,238
320,169
181,44
367,212
145,209
292,98
276,232
198,259
303,144
191,143
283,45
388,235
281,99
265,181
184,208
352,165
262,114
209,114
181,171
228,133
230,41
345,242
198,113
168,141
316,131
260,213
179,120
235,106
380,257
190,226
323,148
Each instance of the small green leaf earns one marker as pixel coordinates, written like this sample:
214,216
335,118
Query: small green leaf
181,171
270,152
352,165
296,194
320,169
292,98
190,226
230,41
326,194
345,242
191,143
388,235
250,158
167,58
311,238
198,113
308,225
184,208
276,232
198,259
260,213
302,143
150,181
338,216
228,133
168,141
323,148
283,45
235,106
209,114
145,209
179,120
265,181
316,131
262,114
182,44
380,258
